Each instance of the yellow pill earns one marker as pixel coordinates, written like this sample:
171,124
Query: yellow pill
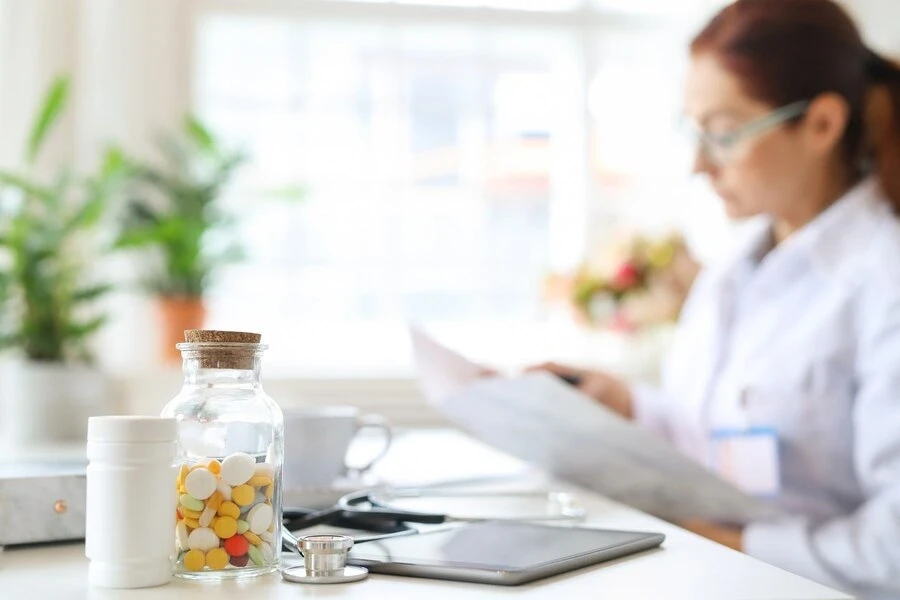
217,559
214,501
225,527
182,474
269,491
253,538
192,523
191,514
194,560
259,481
229,509
242,495
214,467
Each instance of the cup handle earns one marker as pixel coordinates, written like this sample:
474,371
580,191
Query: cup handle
375,422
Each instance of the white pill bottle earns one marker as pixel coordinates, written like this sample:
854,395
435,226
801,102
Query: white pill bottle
130,505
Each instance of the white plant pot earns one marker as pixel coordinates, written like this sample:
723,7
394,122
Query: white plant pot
48,404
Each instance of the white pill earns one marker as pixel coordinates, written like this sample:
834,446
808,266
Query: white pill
224,489
264,469
238,468
267,536
206,516
260,517
181,535
203,539
200,484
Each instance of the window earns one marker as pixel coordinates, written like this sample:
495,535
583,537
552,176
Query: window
448,163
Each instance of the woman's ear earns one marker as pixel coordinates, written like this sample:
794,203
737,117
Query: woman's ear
825,122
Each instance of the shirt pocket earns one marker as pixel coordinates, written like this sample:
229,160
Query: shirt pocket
804,402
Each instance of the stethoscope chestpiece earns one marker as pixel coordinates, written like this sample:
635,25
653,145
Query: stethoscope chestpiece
324,561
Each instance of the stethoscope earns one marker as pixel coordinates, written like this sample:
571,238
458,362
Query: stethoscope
371,511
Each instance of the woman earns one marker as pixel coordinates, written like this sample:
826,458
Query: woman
795,334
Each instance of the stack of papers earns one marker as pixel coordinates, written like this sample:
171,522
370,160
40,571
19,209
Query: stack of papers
540,419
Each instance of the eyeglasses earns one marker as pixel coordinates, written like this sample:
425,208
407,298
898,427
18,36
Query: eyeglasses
720,148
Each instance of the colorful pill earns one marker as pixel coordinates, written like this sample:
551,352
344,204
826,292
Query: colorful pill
203,539
264,469
191,503
225,527
242,495
217,559
268,555
200,483
259,481
240,561
236,545
214,467
229,509
194,560
260,517
238,468
207,517
181,536
187,513
182,473
243,526
252,538
214,501
255,555
224,489
270,490
191,523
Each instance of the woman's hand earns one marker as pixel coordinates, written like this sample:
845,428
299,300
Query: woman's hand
610,391
733,537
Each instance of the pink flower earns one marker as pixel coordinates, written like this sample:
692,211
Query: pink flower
626,276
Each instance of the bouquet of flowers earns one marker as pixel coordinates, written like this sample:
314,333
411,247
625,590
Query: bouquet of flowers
633,283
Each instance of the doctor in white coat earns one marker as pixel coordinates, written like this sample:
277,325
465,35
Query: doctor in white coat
785,370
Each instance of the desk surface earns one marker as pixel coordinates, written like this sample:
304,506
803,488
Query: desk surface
686,567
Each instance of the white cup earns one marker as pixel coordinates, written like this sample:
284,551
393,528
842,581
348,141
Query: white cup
316,440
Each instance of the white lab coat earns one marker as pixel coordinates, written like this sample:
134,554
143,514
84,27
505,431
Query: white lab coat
805,340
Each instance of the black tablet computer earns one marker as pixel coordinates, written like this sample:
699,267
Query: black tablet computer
499,552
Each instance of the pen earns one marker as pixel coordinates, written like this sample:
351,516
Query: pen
572,379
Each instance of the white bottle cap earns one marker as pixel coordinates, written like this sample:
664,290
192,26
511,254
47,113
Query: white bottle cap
131,429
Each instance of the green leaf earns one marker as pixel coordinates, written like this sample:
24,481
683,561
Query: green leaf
91,293
26,186
114,164
136,238
52,107
88,214
80,330
200,135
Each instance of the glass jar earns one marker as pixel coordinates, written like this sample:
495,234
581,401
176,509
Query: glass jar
231,451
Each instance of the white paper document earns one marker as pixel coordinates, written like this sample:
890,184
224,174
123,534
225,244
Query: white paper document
540,419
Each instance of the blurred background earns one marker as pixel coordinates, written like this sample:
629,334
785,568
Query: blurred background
504,172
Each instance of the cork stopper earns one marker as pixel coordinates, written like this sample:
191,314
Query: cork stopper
211,336
226,349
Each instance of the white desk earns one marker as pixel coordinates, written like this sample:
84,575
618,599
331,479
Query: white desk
686,567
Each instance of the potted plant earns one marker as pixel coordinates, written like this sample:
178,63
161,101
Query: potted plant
174,210
48,299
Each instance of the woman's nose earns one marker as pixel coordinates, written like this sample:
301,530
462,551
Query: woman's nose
702,164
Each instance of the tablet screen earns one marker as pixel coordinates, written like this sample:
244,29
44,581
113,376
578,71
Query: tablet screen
505,546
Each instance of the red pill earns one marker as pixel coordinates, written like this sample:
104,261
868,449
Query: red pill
237,545
240,561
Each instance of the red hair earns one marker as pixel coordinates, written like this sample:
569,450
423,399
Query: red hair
785,51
